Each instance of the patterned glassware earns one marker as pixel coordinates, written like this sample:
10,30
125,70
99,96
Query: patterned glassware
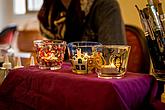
111,60
50,53
81,56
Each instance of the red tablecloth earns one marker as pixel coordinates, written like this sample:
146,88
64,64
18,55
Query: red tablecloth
33,89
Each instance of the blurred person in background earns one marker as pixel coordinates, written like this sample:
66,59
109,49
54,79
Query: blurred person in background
87,20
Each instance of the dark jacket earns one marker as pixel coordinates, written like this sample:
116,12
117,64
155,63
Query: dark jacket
103,23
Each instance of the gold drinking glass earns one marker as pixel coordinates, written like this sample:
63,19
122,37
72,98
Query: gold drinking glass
111,60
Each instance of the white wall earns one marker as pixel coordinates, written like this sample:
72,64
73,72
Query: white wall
0,13
6,12
129,12
7,16
128,9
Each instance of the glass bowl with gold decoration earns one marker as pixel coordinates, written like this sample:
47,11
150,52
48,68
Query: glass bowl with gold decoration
81,56
111,60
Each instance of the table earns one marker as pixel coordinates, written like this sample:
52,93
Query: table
30,88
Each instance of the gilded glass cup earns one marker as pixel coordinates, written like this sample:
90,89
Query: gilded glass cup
50,53
81,56
111,60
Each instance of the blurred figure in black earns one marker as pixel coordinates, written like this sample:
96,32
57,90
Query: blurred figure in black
77,20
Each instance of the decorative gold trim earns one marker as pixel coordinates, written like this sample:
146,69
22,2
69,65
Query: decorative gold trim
99,60
50,16
61,20
60,24
45,31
